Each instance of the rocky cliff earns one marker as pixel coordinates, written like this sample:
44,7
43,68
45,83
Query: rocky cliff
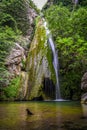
15,60
29,62
17,56
31,71
40,82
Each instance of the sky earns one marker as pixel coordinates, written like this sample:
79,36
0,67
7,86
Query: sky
40,3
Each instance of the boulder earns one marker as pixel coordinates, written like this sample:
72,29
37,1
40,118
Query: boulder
84,82
84,98
84,88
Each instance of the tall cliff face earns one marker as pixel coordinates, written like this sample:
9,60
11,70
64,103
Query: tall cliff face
40,72
17,56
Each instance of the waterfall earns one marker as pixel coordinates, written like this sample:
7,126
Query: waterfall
55,64
55,60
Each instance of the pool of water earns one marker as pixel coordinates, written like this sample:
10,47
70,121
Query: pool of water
47,115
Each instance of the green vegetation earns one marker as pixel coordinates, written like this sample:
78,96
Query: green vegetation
14,22
68,24
68,3
7,38
17,10
10,92
69,30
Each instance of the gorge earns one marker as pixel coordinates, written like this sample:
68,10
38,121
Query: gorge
43,65
29,60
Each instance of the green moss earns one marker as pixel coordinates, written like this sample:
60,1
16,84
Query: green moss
42,38
11,91
23,64
49,58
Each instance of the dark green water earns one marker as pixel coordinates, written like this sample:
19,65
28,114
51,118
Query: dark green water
47,116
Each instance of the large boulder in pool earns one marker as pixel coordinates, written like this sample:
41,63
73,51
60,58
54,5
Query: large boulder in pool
84,88
84,82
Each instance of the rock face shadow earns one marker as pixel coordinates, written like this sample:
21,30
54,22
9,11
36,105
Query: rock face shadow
49,87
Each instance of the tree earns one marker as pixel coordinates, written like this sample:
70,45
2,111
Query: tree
58,17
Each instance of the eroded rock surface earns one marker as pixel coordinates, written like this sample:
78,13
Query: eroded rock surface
15,59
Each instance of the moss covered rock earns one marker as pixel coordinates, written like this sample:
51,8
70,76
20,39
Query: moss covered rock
39,68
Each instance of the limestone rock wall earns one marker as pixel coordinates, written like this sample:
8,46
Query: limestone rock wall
38,65
14,60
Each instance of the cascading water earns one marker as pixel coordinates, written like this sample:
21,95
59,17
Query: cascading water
55,64
55,60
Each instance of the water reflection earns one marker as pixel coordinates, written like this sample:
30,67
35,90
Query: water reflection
47,116
57,124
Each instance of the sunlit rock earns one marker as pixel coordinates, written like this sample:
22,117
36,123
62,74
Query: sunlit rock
14,60
23,88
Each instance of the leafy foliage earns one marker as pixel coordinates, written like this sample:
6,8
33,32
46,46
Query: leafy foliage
68,3
11,91
58,17
79,23
18,10
73,63
83,3
7,38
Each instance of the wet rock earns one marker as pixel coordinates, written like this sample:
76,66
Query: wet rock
31,15
84,88
38,64
23,86
84,98
84,82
